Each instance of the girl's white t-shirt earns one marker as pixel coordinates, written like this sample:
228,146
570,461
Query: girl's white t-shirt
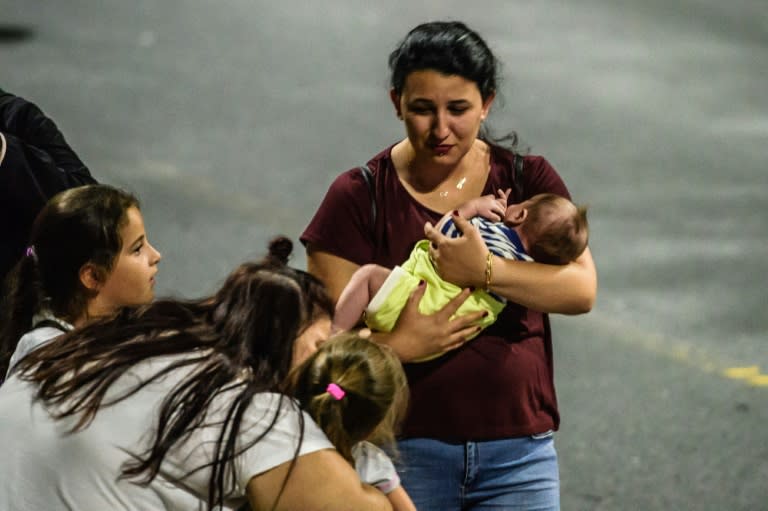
38,336
45,467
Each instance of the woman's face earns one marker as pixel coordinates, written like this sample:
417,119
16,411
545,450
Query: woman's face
311,339
132,279
442,115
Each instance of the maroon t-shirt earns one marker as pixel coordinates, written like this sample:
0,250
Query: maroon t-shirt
498,385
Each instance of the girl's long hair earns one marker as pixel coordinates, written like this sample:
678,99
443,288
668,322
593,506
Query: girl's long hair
77,226
375,392
240,340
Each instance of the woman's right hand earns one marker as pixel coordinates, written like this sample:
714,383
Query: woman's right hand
418,335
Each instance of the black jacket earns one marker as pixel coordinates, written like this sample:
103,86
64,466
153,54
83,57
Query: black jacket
35,164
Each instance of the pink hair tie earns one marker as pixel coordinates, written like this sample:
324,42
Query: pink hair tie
336,391
30,252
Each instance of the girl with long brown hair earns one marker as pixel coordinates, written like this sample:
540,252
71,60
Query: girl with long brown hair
179,405
88,255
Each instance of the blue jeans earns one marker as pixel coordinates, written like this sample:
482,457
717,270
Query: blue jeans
517,474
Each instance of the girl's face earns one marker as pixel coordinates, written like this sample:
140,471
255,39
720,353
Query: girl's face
132,279
442,115
310,339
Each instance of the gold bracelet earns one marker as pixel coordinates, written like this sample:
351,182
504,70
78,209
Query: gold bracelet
488,271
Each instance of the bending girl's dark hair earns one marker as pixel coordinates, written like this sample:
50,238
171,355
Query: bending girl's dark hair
78,226
374,385
238,341
451,48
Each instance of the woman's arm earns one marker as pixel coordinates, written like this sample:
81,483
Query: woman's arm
436,333
566,289
332,270
319,481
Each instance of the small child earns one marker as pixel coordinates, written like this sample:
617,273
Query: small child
357,392
88,255
546,228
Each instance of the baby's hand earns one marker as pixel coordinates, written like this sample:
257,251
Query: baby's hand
491,207
504,197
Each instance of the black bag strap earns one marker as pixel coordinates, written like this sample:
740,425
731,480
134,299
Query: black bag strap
517,178
368,178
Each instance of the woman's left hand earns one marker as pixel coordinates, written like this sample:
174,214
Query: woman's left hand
563,289
458,260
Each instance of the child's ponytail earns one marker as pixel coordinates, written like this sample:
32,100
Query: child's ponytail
21,299
354,389
329,413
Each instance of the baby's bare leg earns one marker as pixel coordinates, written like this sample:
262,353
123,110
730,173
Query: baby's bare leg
363,285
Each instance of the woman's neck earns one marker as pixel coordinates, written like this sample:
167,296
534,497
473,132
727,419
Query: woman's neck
442,187
425,174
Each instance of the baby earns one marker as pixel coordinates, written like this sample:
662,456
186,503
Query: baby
546,228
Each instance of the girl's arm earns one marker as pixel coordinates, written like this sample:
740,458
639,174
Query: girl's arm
566,289
319,481
435,333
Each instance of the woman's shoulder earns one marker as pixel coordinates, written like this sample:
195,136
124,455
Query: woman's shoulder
505,157
366,173
538,174
382,160
354,178
353,186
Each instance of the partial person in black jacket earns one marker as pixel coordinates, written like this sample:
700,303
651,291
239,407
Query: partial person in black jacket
35,163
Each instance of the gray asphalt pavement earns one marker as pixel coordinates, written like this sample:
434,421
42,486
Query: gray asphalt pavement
229,119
